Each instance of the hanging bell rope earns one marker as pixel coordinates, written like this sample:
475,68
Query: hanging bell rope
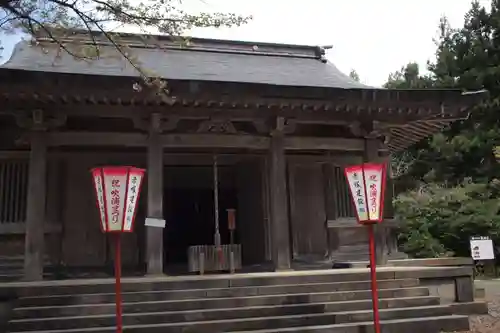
216,202
217,242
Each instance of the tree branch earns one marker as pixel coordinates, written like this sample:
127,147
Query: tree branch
51,17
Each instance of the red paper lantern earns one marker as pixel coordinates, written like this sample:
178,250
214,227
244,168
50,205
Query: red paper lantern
117,194
367,187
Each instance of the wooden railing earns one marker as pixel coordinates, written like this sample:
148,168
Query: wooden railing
211,258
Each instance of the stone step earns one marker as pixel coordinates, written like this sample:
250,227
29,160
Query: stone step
212,303
31,324
98,286
429,325
143,296
277,322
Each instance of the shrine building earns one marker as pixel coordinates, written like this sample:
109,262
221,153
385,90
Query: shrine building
264,129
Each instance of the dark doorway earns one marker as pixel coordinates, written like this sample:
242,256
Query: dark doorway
189,212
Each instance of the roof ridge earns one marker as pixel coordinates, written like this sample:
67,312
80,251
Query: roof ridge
315,52
75,33
248,47
228,51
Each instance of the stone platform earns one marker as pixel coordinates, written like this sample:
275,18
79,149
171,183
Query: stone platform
294,301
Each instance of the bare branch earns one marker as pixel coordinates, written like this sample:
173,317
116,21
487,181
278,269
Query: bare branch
57,21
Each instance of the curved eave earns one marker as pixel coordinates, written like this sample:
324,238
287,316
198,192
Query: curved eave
403,136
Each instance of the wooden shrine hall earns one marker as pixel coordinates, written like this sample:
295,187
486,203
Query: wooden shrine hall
275,123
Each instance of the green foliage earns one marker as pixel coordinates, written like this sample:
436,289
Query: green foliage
408,77
440,221
443,213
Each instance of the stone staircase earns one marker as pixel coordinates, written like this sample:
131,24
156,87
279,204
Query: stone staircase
292,302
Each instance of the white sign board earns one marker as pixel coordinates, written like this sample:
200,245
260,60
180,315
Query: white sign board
152,222
481,248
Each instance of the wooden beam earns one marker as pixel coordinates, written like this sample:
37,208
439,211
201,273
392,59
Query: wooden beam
174,159
215,141
203,141
315,143
167,140
57,139
347,106
14,154
240,112
337,160
196,158
351,222
20,228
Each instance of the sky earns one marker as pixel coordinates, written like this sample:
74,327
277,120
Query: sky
373,37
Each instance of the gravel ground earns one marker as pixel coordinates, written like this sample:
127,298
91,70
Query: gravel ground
489,323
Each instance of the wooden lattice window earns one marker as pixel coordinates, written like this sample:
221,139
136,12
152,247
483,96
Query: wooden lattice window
13,190
345,207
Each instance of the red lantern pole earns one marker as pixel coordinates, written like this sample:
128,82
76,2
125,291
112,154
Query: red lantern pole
117,194
118,282
373,275
367,188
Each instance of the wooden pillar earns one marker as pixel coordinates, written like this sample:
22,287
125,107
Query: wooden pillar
35,214
280,227
372,155
331,207
154,235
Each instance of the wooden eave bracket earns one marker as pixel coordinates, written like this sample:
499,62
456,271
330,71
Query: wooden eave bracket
156,122
283,126
217,125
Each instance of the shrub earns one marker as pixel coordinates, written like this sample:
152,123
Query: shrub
439,220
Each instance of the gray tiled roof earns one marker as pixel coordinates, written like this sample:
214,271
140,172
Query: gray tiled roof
283,65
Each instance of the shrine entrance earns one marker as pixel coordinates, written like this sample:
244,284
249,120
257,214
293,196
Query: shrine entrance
190,210
193,193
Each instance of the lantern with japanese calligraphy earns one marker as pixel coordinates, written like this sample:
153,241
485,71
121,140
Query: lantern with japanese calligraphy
117,192
367,186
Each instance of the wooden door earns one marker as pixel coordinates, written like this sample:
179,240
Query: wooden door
307,209
250,217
